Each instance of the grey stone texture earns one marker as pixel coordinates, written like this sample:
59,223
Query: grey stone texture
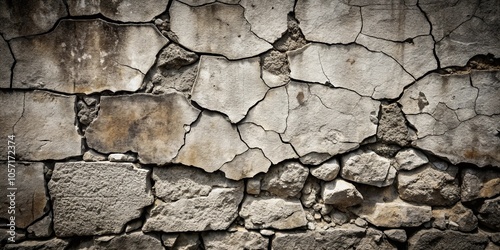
478,184
285,179
123,10
6,62
240,239
367,167
436,239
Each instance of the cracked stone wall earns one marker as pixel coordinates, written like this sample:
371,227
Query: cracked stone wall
244,124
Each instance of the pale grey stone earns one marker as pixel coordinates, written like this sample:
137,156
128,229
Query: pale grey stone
343,66
97,198
6,62
42,228
193,200
206,28
267,232
268,19
310,192
204,2
392,127
271,112
409,159
211,142
52,244
275,69
269,212
230,87
463,217
237,240
341,193
92,155
268,141
29,17
150,125
123,10
489,214
478,184
416,55
133,225
121,157
360,222
310,127
383,208
253,186
314,158
30,200
398,235
488,84
187,241
437,239
135,240
326,171
429,185
169,239
246,165
285,179
329,21
77,64
44,122
367,167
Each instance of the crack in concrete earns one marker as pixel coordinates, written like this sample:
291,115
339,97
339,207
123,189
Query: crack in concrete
22,114
430,33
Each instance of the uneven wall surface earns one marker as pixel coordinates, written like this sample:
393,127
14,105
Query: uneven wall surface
243,124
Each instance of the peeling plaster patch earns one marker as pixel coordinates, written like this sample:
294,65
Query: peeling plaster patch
121,10
246,165
99,56
271,112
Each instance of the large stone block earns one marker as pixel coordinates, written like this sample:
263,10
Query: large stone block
240,239
436,239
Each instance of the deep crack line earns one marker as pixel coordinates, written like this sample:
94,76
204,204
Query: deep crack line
22,114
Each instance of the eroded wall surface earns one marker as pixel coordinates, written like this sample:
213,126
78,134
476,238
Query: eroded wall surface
223,124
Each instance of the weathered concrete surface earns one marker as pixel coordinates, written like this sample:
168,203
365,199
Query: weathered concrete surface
345,67
43,122
240,239
271,113
436,239
99,56
122,10
152,126
230,87
211,142
97,198
29,17
6,62
30,199
206,28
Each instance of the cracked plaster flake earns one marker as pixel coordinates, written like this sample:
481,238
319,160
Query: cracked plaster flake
121,10
311,128
151,125
89,61
246,165
271,113
444,110
216,28
230,87
353,67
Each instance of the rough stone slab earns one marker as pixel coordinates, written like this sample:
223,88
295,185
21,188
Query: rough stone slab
42,228
398,235
285,179
489,214
488,84
310,192
462,217
246,165
311,128
123,10
271,113
204,2
97,198
230,87
267,18
345,67
151,125
135,240
52,244
392,127
409,159
97,56
368,168
268,141
478,184
341,193
174,57
326,171
396,22
436,239
268,212
429,185
216,28
240,239
328,21
43,123
24,18
383,208
30,198
211,142
6,61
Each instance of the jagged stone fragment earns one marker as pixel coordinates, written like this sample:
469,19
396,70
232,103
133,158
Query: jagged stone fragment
479,184
310,126
52,244
29,17
275,69
135,240
169,239
211,142
310,192
329,21
489,214
458,214
436,239
77,63
92,155
152,126
271,112
43,122
42,228
409,159
29,199
326,171
174,57
368,168
343,66
269,212
6,61
392,127
230,87
193,200
398,235
97,198
122,10
187,241
240,239
206,28
246,165
341,193
285,179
